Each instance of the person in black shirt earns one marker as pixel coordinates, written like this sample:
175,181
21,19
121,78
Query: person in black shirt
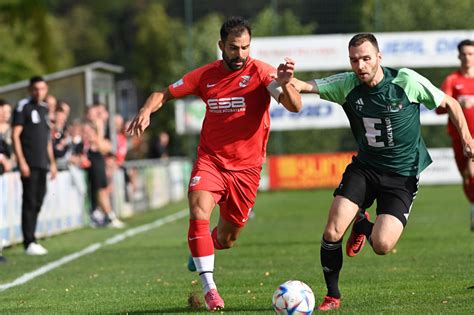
159,146
34,152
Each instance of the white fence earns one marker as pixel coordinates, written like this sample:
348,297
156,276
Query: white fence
65,207
62,208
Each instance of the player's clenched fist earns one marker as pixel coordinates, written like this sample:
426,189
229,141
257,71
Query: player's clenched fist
285,71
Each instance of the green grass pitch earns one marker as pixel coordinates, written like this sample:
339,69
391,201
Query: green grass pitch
430,272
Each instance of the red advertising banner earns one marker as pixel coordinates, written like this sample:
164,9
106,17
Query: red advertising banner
299,171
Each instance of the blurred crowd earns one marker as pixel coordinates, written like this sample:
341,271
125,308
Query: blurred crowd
37,136
85,143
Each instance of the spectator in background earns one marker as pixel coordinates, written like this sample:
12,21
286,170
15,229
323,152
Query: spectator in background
159,146
5,148
102,123
34,153
95,146
52,103
61,139
5,137
120,156
460,85
121,151
98,114
75,133
78,153
139,148
65,108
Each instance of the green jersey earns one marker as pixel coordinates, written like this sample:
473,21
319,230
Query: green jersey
385,119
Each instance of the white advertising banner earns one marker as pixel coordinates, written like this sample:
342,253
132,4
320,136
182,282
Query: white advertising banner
316,114
62,208
65,207
189,114
443,170
330,52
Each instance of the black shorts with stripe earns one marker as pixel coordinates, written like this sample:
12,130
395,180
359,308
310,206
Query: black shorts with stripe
363,185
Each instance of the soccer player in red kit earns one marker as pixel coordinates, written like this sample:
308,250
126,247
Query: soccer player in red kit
237,91
460,85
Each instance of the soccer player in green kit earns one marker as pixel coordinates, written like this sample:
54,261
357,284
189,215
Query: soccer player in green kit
383,107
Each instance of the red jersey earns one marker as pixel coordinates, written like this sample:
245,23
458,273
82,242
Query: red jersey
460,88
237,121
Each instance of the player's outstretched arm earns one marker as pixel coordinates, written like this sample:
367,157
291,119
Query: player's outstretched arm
290,98
152,104
457,117
305,86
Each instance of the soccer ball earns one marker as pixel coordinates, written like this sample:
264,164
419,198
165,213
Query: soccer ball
293,297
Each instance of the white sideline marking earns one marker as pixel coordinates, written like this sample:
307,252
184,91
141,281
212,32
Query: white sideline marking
93,248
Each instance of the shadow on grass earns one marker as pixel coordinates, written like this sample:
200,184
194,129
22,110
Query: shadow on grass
187,310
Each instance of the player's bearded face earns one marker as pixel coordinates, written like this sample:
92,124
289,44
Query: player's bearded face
235,50
233,63
365,61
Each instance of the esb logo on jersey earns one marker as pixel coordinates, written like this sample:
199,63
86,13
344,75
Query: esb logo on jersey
226,104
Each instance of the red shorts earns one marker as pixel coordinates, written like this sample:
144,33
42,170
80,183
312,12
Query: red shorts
234,191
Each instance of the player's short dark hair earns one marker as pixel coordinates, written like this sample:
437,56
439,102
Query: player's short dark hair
235,25
361,38
466,42
36,79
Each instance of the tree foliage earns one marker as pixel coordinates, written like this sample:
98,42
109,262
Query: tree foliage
407,15
270,23
205,38
158,49
18,57
87,35
32,40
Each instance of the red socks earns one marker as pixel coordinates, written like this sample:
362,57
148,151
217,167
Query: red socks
199,239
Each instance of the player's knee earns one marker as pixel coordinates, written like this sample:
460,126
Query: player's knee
333,234
198,213
382,247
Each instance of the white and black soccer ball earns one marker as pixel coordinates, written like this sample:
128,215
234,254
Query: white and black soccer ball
293,297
